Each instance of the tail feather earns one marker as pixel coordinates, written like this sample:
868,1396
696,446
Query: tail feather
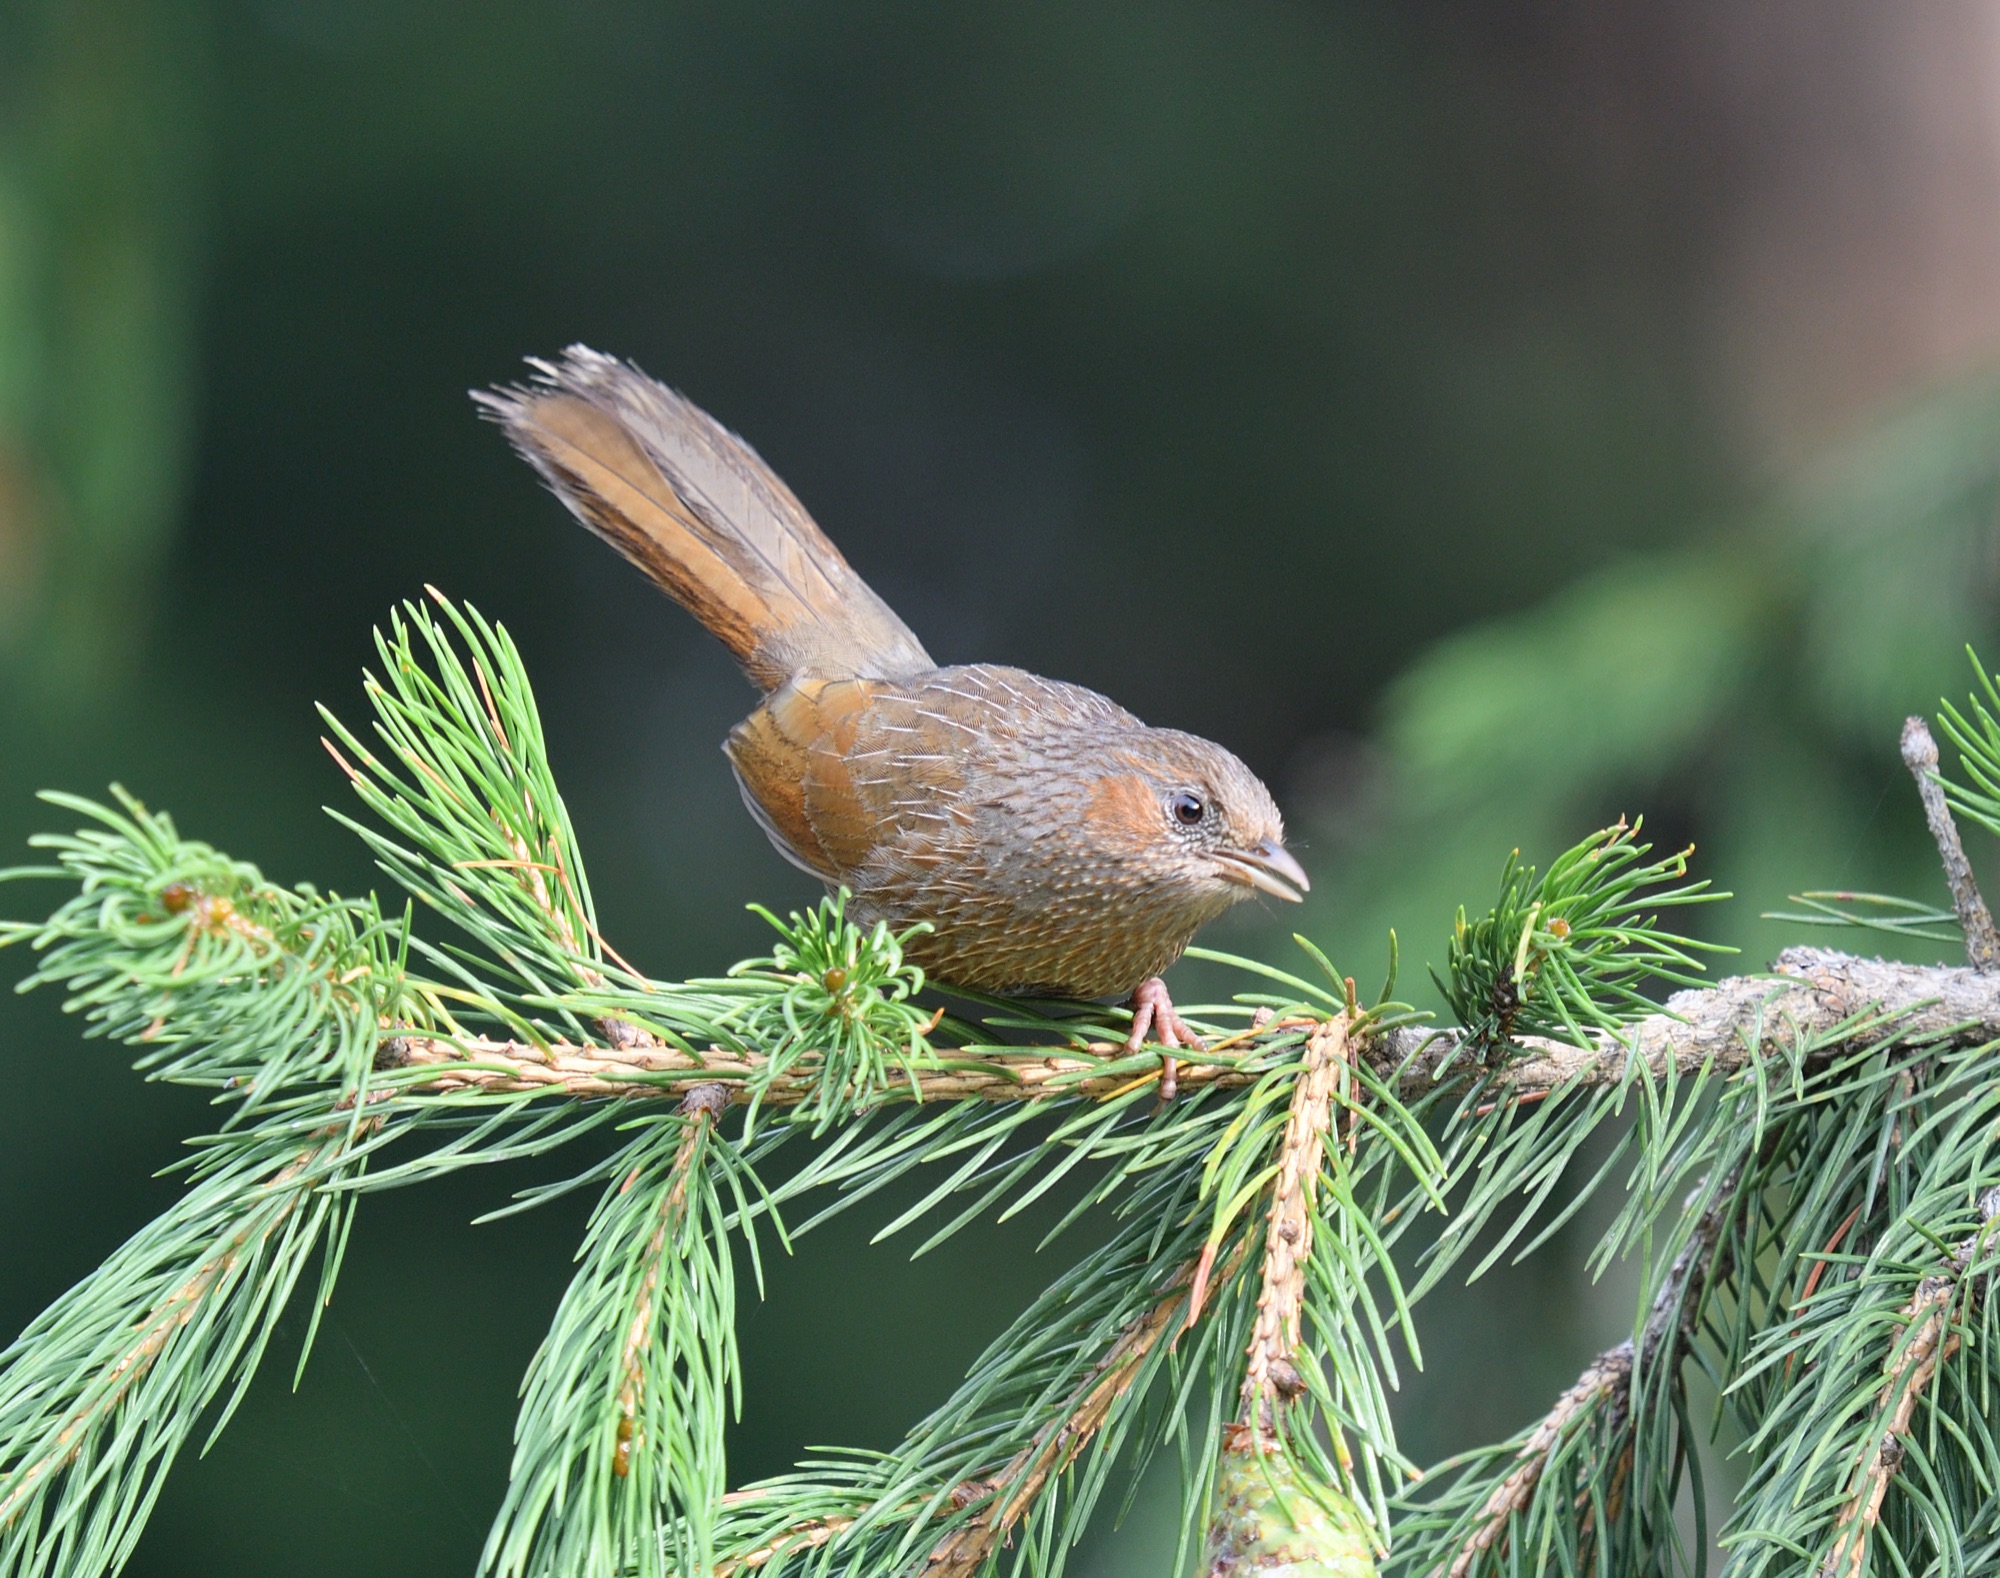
689,503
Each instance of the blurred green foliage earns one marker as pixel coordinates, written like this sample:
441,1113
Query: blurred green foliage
1745,690
1281,370
102,198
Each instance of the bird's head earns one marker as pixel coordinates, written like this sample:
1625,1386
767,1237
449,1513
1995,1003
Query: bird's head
1196,818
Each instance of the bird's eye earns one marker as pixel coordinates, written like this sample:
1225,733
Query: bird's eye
1187,809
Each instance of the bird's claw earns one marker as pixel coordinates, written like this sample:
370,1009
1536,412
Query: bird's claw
1153,1013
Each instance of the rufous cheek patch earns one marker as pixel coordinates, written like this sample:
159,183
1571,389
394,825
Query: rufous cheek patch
1125,810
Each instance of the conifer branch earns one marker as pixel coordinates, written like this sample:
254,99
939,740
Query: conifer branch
1269,1377
789,1542
1928,1341
1832,1094
1672,1317
580,1070
177,1310
1814,998
1920,755
1013,1488
701,1106
619,1468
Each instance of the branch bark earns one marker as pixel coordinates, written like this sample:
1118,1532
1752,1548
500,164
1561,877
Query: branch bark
1812,996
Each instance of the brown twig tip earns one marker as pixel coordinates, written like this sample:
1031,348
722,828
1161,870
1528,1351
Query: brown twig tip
334,751
1920,752
1920,755
709,1100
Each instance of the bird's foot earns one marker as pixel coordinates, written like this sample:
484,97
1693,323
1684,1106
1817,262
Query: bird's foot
1153,1013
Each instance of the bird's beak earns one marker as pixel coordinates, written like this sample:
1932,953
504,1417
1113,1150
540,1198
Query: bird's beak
1265,866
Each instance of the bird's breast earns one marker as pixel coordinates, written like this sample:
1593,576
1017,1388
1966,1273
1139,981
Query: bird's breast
989,804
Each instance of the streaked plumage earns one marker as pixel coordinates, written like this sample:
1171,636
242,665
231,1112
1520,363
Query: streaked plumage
1041,829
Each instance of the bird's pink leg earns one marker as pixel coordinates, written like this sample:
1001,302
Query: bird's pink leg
1153,1011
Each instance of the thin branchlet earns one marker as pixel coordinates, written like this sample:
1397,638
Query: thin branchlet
180,1307
1920,755
1270,1380
700,1107
1604,1380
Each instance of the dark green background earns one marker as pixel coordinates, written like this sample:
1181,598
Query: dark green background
1226,358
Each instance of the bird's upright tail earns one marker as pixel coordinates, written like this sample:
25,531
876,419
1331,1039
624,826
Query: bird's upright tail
690,504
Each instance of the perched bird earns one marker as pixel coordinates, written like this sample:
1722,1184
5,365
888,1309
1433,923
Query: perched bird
1056,845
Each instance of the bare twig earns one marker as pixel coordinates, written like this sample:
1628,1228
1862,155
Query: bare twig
1269,1380
1920,755
1907,1375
